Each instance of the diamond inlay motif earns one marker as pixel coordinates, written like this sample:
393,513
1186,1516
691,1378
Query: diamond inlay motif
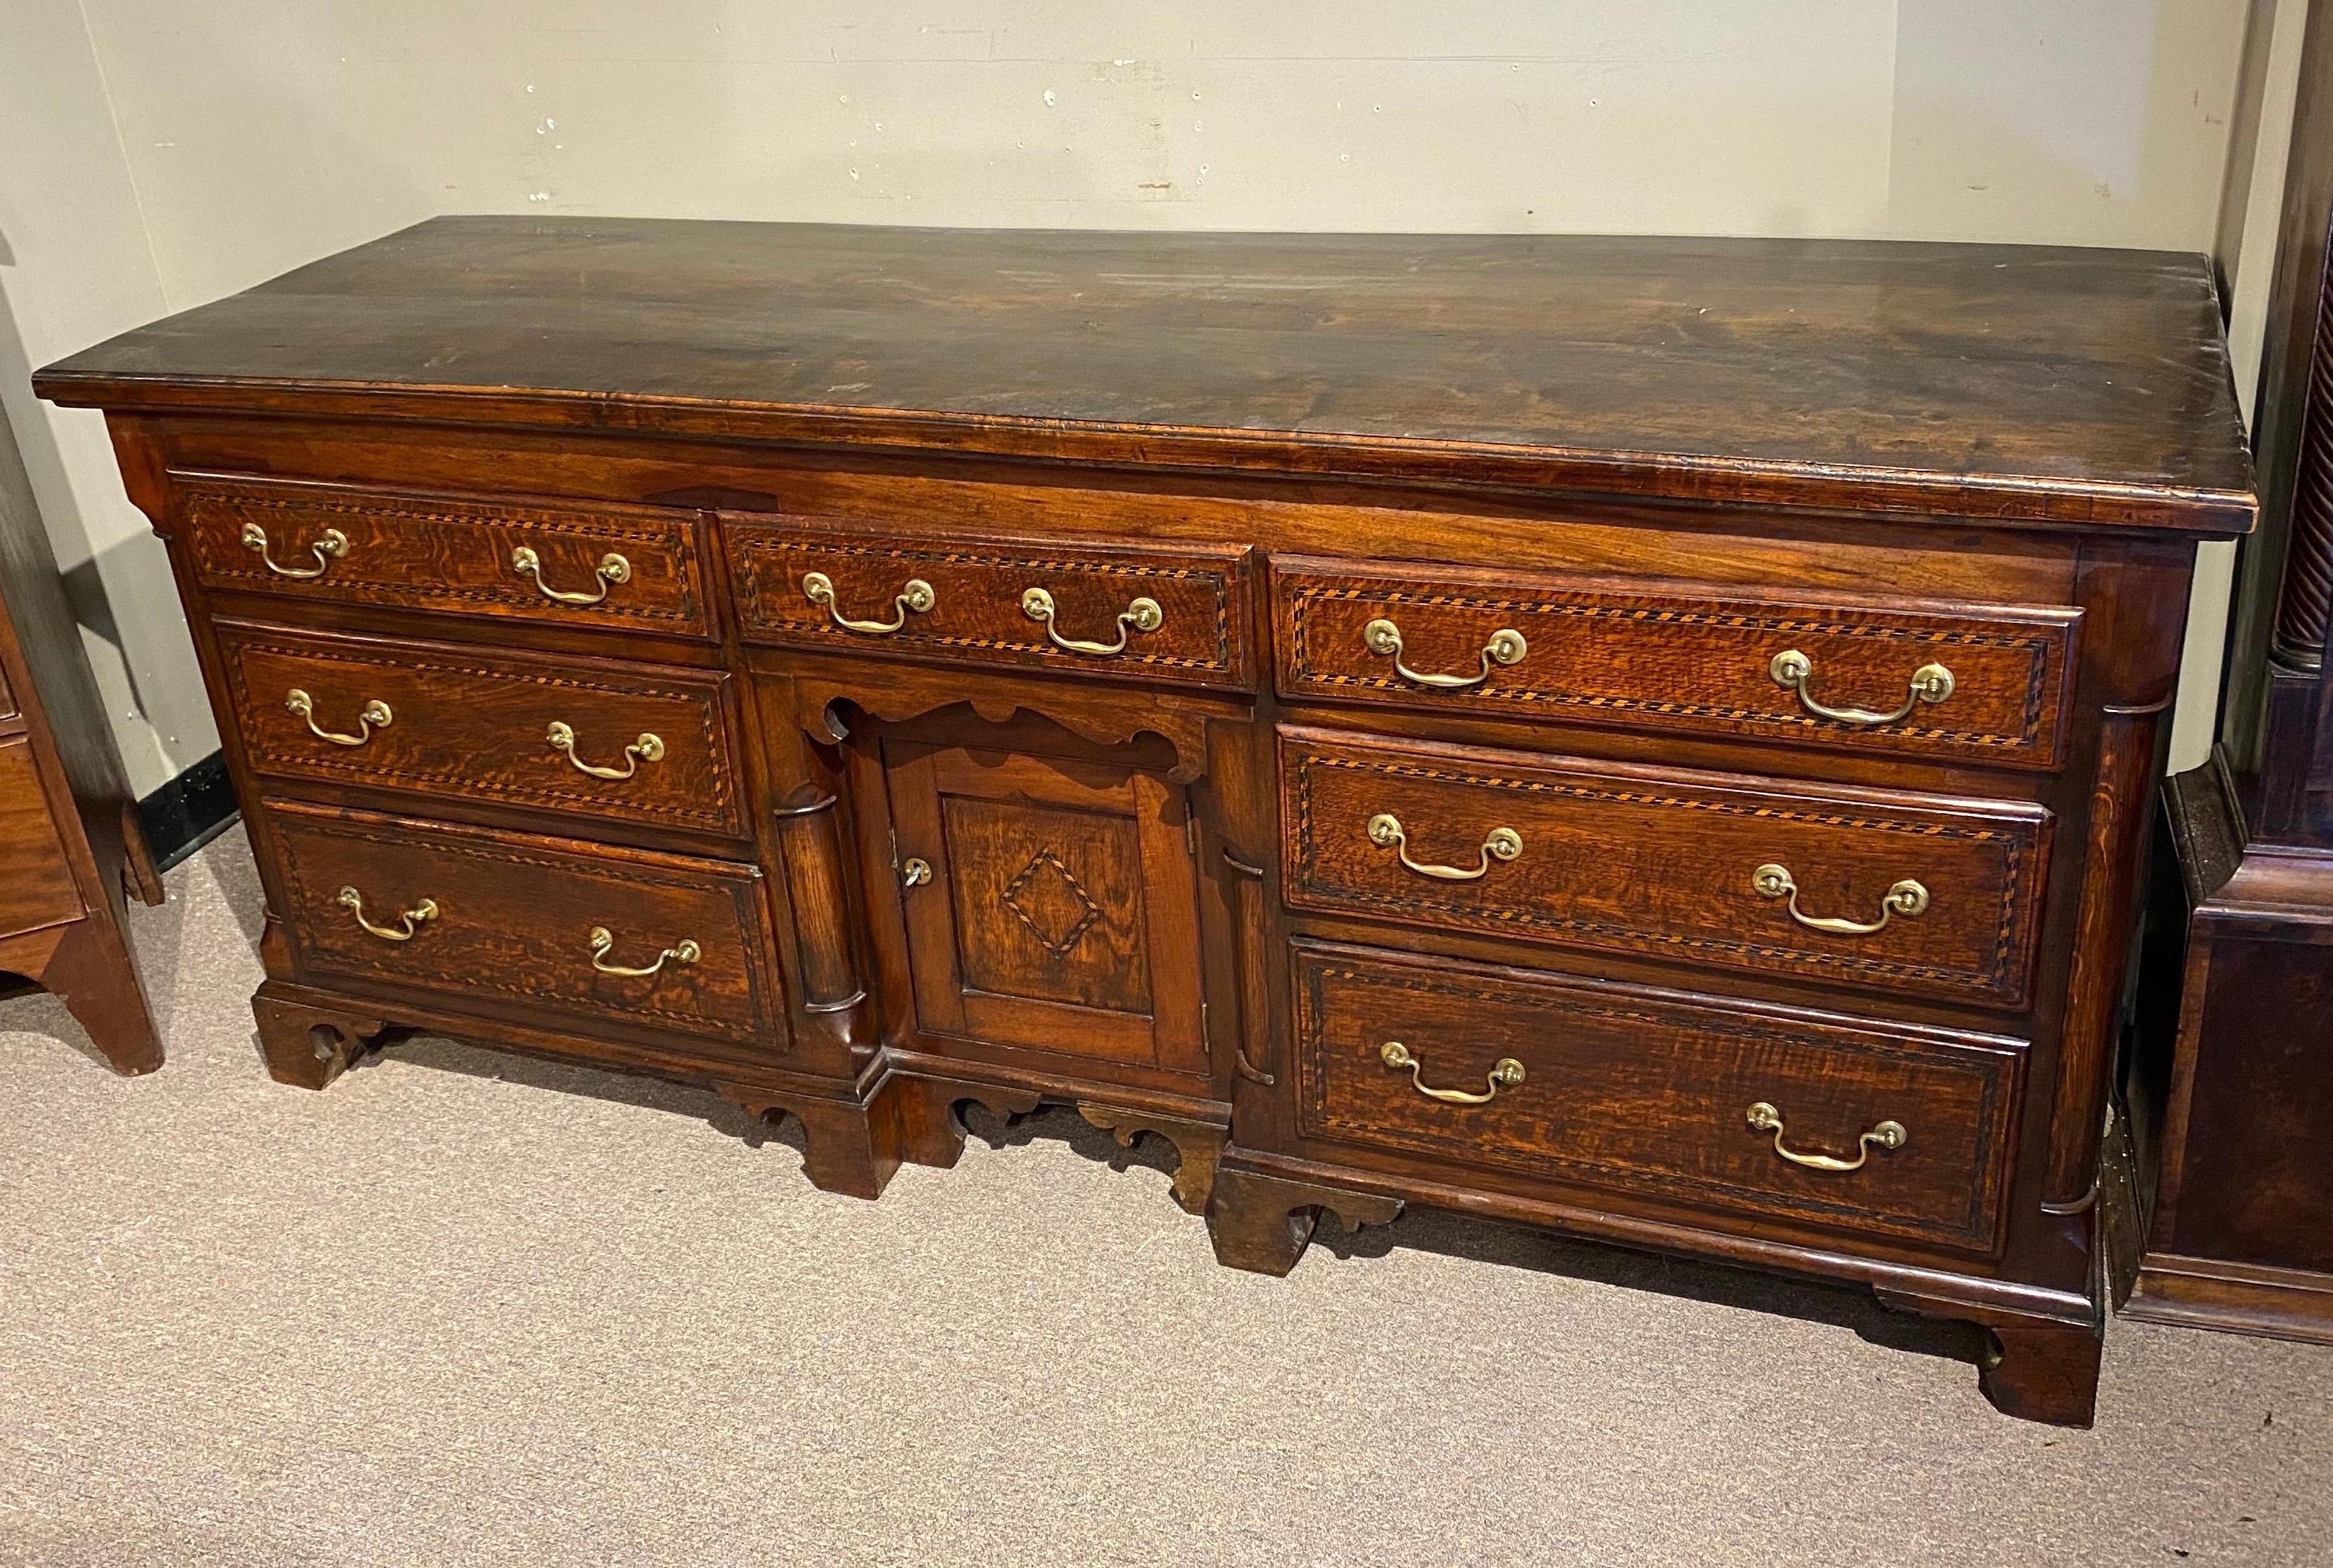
1049,902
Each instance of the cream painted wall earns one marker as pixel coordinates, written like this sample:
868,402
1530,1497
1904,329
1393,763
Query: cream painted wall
164,152
75,267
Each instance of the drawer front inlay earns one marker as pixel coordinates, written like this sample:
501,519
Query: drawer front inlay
1668,864
645,744
1892,1129
1982,685
585,565
587,930
1158,613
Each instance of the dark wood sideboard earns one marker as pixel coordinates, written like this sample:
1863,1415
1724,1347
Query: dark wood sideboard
1650,738
70,849
2231,1090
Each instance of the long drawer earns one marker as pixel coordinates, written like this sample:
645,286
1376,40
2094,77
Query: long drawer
1158,613
1893,891
1983,684
593,933
1894,1131
639,743
586,565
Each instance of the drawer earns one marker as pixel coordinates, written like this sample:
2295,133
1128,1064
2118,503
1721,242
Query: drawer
638,743
1898,1130
1159,613
1893,891
612,567
36,884
1671,657
543,922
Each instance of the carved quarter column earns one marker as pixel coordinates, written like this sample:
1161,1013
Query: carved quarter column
2135,610
2120,801
817,887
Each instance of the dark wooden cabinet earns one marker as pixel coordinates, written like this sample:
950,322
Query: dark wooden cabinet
2231,1086
1646,737
70,844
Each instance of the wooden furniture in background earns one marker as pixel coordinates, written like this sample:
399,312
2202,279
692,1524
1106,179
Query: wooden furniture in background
1652,738
2231,1104
70,844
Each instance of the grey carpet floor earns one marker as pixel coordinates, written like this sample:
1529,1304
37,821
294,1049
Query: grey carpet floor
467,1308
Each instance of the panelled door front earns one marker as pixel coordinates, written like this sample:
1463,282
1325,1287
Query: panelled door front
1052,905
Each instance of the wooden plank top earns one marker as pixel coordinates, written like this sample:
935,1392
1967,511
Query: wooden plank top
2038,384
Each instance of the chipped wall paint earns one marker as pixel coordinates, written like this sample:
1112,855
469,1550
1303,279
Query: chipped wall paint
223,142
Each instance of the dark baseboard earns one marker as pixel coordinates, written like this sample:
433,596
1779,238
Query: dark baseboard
189,811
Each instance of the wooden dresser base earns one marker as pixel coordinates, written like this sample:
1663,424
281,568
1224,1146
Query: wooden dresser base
853,1143
1617,735
2041,1360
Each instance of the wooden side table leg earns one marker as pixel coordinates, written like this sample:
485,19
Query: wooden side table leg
92,971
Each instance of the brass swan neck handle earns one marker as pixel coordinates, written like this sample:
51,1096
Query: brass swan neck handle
1907,898
1506,646
613,568
1142,614
1794,671
648,748
409,922
1765,1118
917,596
1385,831
329,546
603,942
373,715
1504,1073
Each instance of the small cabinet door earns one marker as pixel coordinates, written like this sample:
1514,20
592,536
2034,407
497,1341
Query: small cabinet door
1059,909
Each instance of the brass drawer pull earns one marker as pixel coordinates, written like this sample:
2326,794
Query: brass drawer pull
602,939
916,872
1906,898
330,546
375,715
613,569
917,596
1504,1073
1499,844
1506,646
1143,615
646,749
408,924
1793,669
1765,1118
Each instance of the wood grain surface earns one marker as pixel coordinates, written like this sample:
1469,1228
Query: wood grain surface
1677,656
445,553
2004,381
474,725
1661,861
1652,1091
515,913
